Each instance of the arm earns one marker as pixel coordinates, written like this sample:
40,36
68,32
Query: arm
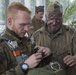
4,66
70,60
32,61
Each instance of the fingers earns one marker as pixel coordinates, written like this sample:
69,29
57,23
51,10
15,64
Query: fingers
38,56
33,60
44,50
47,52
72,64
40,49
69,60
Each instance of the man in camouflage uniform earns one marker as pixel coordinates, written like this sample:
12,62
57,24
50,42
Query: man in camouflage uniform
17,55
59,38
37,21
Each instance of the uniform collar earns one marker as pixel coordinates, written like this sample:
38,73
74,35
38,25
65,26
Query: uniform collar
34,18
12,35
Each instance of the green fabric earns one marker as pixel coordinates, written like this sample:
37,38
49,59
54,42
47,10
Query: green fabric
9,65
58,44
36,25
40,72
45,71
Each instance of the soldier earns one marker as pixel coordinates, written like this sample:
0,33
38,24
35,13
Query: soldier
37,21
17,55
59,38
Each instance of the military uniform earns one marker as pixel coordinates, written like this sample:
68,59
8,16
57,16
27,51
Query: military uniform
35,22
13,51
61,44
9,64
36,25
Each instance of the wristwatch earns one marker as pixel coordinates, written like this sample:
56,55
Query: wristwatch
24,66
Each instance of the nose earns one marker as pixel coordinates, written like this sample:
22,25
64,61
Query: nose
26,28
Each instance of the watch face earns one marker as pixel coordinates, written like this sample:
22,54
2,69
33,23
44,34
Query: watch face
24,66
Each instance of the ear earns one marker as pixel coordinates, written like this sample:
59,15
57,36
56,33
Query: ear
9,21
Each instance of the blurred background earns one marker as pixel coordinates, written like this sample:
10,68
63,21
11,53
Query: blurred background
69,10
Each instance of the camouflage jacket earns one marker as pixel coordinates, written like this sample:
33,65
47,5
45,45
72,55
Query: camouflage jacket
8,63
61,44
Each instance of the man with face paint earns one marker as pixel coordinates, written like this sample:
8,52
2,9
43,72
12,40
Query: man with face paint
59,38
37,21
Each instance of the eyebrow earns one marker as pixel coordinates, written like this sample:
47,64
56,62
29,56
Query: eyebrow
25,23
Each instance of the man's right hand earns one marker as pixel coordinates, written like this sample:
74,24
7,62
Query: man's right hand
33,60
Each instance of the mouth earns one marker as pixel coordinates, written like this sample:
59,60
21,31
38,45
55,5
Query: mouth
23,33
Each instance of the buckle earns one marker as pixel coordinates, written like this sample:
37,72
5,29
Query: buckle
55,66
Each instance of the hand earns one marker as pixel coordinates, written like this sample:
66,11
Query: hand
70,60
33,60
44,50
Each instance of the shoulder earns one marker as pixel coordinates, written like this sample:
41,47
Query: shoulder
2,39
3,43
39,31
71,31
33,19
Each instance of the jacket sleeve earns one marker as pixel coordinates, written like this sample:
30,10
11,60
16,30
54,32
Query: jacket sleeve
4,69
74,43
74,47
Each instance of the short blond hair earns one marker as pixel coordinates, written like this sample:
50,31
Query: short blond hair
14,7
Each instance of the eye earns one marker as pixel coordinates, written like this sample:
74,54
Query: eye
22,24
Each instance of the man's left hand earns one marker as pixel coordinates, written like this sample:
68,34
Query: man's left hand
70,60
44,50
